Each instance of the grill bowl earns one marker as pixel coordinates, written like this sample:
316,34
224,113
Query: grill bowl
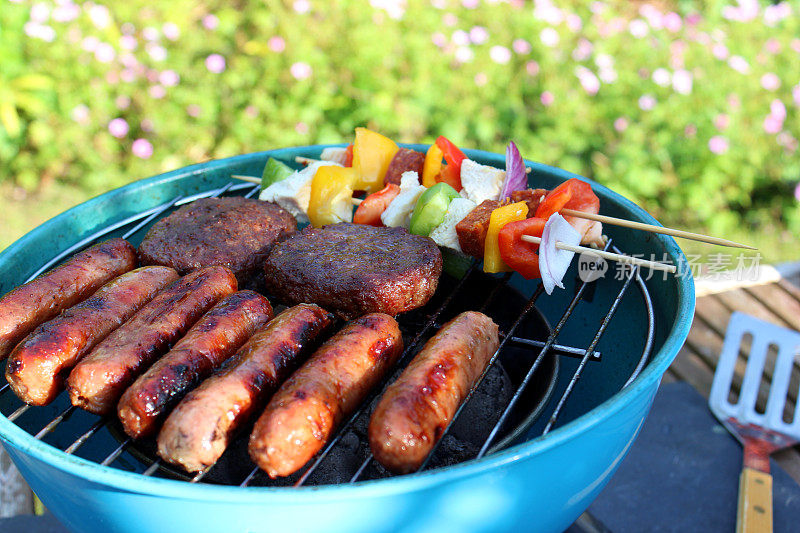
541,483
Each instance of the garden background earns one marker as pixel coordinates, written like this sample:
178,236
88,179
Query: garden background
689,108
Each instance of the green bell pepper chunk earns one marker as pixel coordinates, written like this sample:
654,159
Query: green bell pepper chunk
274,171
431,208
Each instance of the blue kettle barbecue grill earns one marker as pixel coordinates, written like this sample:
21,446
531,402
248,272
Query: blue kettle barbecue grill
541,435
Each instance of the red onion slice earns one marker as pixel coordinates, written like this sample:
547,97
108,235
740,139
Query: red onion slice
553,262
516,180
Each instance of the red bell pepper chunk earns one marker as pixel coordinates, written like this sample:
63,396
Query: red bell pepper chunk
451,176
348,155
572,194
519,255
452,155
370,210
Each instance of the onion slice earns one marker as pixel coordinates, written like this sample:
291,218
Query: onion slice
554,262
516,180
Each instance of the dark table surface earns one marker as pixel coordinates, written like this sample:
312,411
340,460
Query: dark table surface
682,474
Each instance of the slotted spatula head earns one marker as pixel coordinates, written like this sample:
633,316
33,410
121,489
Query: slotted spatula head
744,411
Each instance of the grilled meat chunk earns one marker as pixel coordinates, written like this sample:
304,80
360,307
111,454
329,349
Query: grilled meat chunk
533,197
416,409
472,229
198,430
309,406
237,233
38,366
214,338
24,308
404,160
97,382
355,269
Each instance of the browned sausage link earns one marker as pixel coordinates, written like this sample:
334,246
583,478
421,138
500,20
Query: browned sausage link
24,308
39,365
309,406
214,338
404,160
415,409
197,431
97,382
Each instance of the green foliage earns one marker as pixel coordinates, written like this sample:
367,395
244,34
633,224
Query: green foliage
413,78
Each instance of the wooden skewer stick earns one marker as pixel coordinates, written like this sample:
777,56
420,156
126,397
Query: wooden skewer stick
251,179
655,229
655,265
305,160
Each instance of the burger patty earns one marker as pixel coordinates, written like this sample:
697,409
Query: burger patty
355,269
234,232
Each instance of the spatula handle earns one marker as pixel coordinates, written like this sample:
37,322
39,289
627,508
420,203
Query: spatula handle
755,502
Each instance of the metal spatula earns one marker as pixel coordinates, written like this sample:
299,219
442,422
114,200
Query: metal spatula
760,434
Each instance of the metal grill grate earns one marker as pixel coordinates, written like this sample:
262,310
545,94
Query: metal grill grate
547,347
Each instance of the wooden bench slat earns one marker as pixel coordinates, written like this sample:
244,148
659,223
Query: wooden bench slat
779,302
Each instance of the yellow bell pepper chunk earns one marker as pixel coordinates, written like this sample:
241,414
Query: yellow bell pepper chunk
331,199
492,262
372,153
432,166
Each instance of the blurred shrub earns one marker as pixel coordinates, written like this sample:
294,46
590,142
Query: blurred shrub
692,112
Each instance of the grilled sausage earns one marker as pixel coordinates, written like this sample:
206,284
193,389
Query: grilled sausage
197,431
36,302
38,366
404,160
214,338
308,407
415,409
97,382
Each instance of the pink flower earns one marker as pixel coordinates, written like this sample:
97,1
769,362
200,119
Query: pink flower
772,124
157,91
40,12
739,64
583,51
500,54
276,44
547,98
672,22
797,192
90,43
439,39
150,33
549,37
127,75
104,53
721,121
574,23
638,28
300,70
156,51
460,38
662,77
302,6
169,78
532,68
128,42
481,79
588,80
470,4
478,35
66,12
146,124
690,130
795,44
301,128
682,81
142,148
734,102
210,22
215,63
770,81
773,45
171,31
80,114
251,111
607,75
100,16
775,13
118,128
193,110
777,109
796,94
647,102
122,101
786,140
449,19
720,51
693,19
521,46
718,144
464,54
621,124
